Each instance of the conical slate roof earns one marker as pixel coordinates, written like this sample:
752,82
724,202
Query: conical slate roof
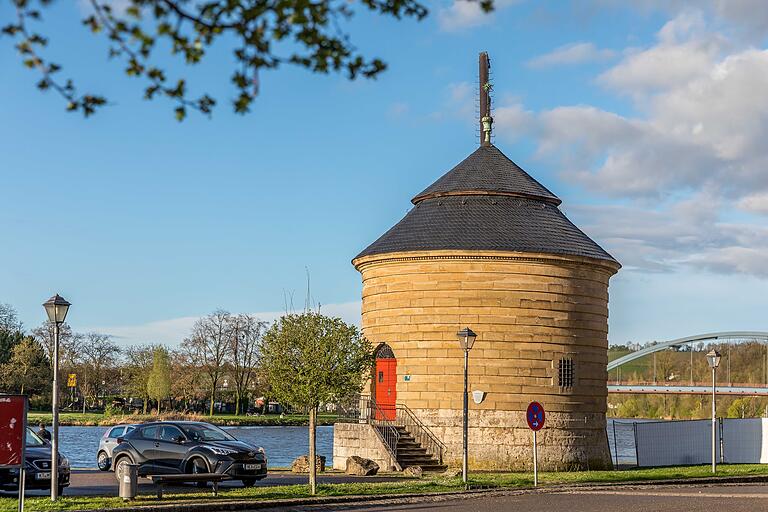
487,202
488,170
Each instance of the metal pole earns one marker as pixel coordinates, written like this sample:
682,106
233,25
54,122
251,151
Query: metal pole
464,469
55,400
691,365
535,462
22,471
714,423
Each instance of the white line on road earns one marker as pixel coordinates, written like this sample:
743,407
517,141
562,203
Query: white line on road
674,494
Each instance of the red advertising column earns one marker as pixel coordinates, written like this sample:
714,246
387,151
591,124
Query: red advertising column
13,436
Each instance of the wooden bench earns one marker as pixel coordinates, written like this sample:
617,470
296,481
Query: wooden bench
162,480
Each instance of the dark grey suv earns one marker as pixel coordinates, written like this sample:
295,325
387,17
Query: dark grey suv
183,447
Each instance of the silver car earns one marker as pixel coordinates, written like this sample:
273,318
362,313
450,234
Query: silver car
108,443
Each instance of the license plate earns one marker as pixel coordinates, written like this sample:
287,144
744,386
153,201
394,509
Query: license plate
43,476
251,467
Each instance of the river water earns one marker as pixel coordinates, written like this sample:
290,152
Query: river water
282,444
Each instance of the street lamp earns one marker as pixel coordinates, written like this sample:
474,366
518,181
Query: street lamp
57,308
713,358
467,338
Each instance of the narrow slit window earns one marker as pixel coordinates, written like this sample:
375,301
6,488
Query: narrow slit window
565,376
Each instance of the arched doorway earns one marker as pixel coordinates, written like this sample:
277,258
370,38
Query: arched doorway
385,382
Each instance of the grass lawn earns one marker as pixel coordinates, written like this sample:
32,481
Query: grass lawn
426,485
90,419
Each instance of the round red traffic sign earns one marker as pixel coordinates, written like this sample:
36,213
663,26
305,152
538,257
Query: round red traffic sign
535,416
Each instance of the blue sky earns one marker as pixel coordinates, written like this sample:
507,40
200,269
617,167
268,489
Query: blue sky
644,117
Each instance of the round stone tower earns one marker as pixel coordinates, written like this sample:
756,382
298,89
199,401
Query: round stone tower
486,247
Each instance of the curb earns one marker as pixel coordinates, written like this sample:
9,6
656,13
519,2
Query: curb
247,505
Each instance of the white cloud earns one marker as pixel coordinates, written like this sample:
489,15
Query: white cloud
397,110
174,330
117,6
693,151
465,14
574,53
755,203
685,50
513,120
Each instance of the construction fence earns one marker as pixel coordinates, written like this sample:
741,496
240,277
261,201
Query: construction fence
643,443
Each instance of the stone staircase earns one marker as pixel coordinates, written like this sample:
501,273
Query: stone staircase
410,452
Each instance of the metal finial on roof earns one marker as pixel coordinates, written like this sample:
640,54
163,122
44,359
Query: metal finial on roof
486,121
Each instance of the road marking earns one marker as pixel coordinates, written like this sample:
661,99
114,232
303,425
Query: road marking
675,494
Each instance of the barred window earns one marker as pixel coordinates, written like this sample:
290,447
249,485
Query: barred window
565,373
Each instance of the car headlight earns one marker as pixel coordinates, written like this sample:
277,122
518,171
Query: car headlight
218,450
64,462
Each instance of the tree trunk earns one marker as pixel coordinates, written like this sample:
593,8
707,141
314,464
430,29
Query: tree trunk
237,404
213,399
146,400
312,451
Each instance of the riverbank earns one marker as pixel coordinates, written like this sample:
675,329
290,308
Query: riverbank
289,495
78,419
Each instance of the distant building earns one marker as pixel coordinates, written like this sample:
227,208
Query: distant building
486,247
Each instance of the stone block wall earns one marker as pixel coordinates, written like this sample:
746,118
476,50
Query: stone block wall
359,439
529,311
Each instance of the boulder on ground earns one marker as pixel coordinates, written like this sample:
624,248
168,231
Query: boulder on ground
361,467
414,471
452,473
301,464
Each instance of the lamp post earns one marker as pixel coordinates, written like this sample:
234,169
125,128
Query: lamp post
713,358
56,307
467,339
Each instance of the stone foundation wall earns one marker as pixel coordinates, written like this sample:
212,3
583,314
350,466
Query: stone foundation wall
358,439
501,440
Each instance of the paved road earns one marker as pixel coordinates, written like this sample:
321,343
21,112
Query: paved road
733,498
92,482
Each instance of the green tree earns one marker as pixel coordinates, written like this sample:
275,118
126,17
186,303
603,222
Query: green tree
310,359
27,370
10,331
260,34
159,381
138,366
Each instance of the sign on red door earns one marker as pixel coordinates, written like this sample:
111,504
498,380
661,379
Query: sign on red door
13,415
386,388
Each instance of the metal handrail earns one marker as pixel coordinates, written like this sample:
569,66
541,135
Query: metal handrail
364,409
426,438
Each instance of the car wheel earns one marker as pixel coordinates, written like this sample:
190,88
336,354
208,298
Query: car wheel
102,460
61,490
198,465
248,482
120,466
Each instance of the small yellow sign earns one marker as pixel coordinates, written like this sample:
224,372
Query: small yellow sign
72,380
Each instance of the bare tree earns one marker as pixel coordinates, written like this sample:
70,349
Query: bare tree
9,320
245,334
187,383
69,343
208,345
99,354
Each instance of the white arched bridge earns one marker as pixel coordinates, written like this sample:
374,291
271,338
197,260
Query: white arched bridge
719,337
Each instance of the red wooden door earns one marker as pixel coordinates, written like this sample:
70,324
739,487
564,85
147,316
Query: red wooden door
386,388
